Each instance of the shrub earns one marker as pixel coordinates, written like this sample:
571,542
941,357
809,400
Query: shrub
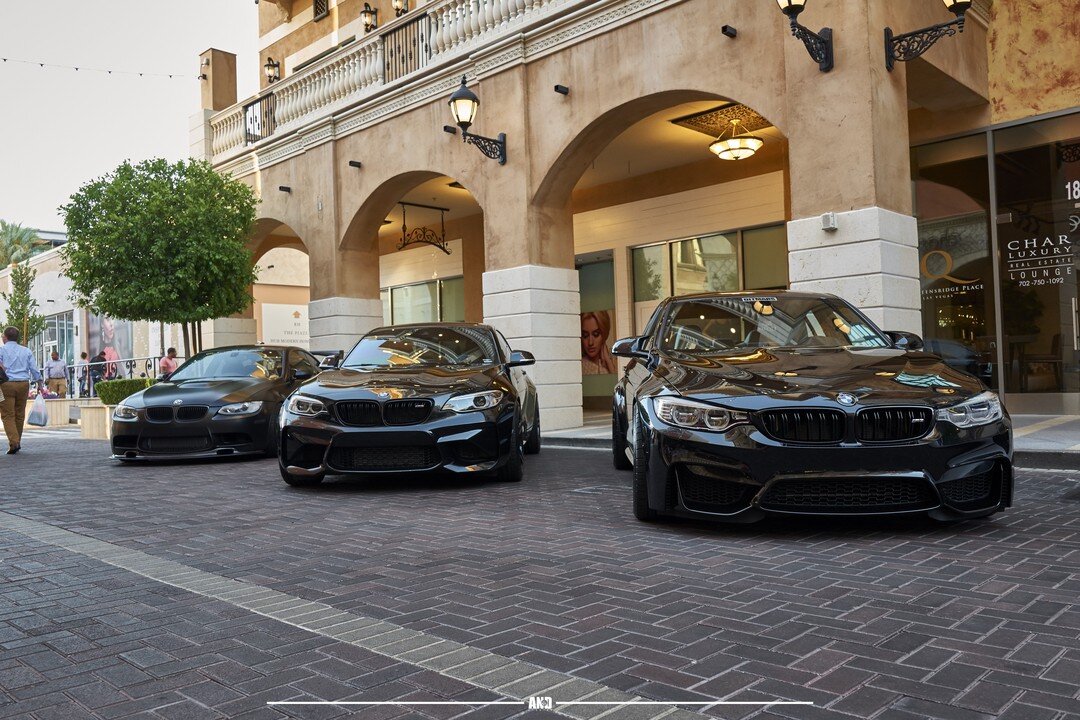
114,392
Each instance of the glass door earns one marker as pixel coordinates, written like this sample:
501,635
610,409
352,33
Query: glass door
1037,173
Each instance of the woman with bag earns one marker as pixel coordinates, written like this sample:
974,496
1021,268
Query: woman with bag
19,367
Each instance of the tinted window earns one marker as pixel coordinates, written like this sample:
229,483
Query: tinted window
304,363
235,363
426,345
721,324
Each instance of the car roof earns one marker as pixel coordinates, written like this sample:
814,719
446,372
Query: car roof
255,346
793,294
478,326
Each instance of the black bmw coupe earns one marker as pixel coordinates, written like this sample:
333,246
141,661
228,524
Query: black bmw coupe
737,406
415,399
221,402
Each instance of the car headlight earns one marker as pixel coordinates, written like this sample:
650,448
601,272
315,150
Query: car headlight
697,416
125,412
982,409
474,401
306,406
252,407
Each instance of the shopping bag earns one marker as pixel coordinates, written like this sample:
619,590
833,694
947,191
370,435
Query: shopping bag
39,415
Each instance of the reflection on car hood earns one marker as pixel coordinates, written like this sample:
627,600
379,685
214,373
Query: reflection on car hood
202,392
878,374
394,383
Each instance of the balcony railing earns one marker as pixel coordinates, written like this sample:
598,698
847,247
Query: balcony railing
446,30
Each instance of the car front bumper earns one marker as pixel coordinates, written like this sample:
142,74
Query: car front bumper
463,443
212,436
743,475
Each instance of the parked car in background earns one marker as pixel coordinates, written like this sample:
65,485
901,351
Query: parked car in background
415,399
737,406
221,402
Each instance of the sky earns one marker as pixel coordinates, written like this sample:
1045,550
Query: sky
61,128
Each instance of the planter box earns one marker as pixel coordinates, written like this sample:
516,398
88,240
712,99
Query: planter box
59,411
96,421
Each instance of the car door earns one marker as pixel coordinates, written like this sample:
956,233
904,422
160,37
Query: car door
518,379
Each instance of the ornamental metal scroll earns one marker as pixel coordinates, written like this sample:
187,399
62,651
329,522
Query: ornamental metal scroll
423,235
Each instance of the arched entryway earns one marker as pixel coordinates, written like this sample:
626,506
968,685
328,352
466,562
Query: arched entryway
282,291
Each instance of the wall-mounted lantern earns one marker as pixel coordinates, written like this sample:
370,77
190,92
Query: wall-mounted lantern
272,68
369,16
400,7
901,48
818,44
464,104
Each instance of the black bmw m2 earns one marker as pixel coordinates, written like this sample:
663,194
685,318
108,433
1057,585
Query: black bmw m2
739,406
414,399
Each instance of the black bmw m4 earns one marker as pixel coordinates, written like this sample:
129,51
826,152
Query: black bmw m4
414,399
737,406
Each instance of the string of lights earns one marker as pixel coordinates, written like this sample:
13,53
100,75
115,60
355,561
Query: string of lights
81,68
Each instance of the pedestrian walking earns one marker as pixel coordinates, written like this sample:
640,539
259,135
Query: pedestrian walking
56,375
82,375
168,364
20,369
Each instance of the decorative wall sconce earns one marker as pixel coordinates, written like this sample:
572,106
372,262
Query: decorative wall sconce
901,48
272,68
369,16
400,7
464,105
818,44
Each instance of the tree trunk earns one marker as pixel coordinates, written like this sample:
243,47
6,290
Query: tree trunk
198,333
187,340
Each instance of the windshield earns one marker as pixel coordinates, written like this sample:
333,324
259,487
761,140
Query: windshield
238,363
424,346
716,325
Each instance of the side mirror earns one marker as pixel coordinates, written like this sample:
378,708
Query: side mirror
905,341
330,362
520,358
629,348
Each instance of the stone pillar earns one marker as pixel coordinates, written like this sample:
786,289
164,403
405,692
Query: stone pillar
849,155
870,260
537,308
336,323
233,330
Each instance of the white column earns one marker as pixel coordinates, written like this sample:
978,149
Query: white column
537,309
337,323
199,135
223,332
871,260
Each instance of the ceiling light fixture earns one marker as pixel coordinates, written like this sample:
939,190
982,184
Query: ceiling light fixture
731,145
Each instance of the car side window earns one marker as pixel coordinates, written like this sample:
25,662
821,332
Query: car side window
303,362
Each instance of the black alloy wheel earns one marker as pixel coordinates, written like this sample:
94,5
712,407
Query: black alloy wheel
513,470
532,445
642,511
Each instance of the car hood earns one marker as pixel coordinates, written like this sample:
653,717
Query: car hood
402,383
880,374
202,392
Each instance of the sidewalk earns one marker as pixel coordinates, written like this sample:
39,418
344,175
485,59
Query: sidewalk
1042,441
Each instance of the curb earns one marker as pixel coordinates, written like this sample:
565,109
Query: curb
1034,459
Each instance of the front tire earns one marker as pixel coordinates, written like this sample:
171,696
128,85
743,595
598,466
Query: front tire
301,481
513,470
618,443
642,511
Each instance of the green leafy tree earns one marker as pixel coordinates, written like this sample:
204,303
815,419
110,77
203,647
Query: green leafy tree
18,243
21,306
163,242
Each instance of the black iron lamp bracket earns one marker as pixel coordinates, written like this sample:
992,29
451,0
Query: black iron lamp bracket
1068,153
423,235
901,48
494,148
818,44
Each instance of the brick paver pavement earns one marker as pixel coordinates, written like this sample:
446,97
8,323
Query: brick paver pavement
864,619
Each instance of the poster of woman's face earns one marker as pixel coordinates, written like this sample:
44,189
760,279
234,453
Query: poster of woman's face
596,357
112,337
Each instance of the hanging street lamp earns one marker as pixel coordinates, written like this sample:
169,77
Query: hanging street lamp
901,48
818,44
464,104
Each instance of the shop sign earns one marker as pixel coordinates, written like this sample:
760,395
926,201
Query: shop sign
285,324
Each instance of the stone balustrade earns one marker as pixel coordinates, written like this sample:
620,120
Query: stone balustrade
450,30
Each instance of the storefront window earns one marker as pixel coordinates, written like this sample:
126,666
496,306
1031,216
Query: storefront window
1037,170
452,300
952,200
438,300
765,258
706,264
650,276
58,335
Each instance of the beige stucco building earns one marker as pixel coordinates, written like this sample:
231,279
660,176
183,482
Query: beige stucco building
914,192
